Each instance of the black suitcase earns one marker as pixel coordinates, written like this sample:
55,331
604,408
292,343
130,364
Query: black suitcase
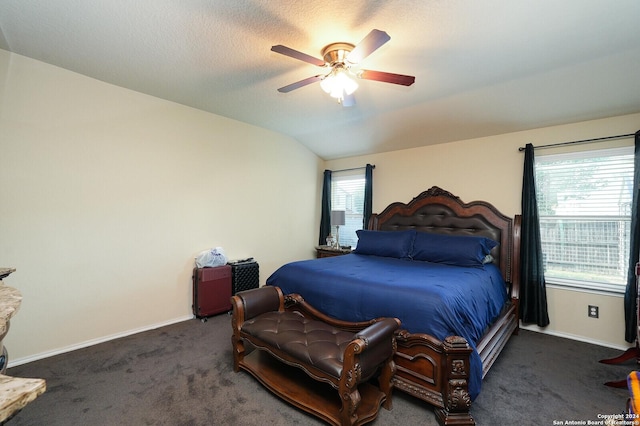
211,291
245,275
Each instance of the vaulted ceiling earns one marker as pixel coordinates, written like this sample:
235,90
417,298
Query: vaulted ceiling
482,67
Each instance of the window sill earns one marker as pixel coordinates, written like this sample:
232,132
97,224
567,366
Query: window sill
595,288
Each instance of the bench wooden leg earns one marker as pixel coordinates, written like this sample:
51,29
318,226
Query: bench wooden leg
237,346
386,374
350,402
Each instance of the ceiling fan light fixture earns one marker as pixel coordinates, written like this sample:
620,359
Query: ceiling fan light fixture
349,85
338,84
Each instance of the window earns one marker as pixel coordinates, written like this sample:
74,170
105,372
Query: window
584,204
347,193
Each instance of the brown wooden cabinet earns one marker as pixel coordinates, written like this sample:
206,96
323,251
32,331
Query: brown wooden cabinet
326,251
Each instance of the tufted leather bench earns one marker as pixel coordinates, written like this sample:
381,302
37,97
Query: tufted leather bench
344,355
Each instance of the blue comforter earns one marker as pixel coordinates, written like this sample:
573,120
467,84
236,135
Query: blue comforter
432,298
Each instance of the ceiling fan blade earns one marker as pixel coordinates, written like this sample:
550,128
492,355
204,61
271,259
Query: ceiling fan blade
284,50
387,77
368,45
299,84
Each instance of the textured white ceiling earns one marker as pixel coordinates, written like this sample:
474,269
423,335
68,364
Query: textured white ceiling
482,67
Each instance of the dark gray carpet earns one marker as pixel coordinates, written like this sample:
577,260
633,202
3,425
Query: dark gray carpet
183,375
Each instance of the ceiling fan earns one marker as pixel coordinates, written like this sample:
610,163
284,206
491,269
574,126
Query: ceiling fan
340,59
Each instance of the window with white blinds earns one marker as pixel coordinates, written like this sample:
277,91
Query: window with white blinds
584,204
347,193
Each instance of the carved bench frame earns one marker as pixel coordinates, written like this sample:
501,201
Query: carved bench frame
357,401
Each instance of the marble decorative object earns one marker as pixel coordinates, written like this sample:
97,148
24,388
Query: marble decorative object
16,392
4,272
10,299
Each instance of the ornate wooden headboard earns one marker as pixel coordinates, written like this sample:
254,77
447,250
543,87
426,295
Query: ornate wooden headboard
439,211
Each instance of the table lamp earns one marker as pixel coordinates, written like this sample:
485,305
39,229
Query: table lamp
337,219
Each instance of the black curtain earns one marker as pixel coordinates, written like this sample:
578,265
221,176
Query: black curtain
533,293
325,217
368,195
631,293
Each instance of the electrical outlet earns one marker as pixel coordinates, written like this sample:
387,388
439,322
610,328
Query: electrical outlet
593,311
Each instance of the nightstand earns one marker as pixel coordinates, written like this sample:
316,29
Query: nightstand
326,251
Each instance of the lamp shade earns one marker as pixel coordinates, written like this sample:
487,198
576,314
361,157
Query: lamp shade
337,217
338,84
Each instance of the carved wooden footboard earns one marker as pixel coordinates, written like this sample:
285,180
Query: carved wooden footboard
436,371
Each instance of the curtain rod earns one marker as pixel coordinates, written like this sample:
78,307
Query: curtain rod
628,135
373,166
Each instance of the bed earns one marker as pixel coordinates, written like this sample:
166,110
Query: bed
448,270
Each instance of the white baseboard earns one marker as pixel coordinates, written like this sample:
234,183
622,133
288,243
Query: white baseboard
570,336
85,344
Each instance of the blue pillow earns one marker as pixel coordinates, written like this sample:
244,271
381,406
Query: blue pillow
385,243
459,250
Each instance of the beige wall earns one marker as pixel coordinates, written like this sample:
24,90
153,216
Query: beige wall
491,169
107,195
